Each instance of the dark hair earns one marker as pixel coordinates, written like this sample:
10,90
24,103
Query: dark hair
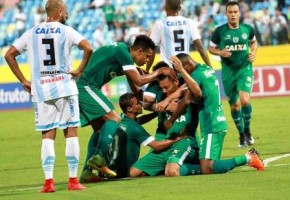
160,65
143,42
173,5
183,57
232,3
125,101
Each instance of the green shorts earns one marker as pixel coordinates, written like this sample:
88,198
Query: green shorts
211,146
154,163
236,81
93,104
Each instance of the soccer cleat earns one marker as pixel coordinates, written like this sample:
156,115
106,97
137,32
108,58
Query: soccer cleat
98,163
88,176
74,184
48,186
242,141
249,139
255,161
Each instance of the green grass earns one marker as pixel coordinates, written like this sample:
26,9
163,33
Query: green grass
21,174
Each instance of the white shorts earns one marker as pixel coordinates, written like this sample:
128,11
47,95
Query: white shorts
57,113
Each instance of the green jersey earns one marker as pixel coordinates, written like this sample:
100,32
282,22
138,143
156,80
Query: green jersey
211,117
106,63
129,137
237,41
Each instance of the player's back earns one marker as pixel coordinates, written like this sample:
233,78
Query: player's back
174,34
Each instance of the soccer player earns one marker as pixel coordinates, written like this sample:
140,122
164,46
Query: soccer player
185,150
212,120
175,33
236,44
130,135
53,88
95,108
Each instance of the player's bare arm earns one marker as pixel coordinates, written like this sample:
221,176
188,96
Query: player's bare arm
252,54
12,63
185,101
226,53
164,144
191,83
202,52
87,48
141,80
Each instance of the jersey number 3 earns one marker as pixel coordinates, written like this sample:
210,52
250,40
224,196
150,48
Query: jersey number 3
178,40
49,52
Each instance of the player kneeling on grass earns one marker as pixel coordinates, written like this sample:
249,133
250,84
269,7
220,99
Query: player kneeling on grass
212,120
130,135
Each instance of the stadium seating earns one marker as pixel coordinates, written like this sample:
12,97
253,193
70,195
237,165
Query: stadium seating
87,20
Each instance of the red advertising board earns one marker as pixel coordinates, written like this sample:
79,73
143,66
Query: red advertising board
271,81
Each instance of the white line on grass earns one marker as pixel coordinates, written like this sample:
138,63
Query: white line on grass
268,160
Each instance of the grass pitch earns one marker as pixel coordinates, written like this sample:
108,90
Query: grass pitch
21,174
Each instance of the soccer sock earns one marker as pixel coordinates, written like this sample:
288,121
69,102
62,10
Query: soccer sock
223,166
247,115
237,117
106,137
47,157
91,148
72,153
189,169
241,160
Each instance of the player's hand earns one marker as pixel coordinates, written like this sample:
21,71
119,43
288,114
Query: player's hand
168,72
176,63
75,73
167,124
226,53
251,57
27,86
161,106
172,106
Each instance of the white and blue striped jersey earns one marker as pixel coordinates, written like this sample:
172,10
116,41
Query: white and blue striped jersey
174,35
48,46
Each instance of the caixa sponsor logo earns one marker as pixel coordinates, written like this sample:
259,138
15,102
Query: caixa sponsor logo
13,96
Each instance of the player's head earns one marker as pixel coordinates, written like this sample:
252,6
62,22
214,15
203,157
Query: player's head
233,12
142,49
160,65
167,84
187,62
129,103
56,11
173,5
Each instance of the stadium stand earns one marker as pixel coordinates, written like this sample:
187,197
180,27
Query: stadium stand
139,16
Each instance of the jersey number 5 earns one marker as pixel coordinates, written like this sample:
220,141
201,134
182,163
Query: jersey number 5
178,40
49,52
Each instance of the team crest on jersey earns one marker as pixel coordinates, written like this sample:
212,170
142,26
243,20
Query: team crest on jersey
244,36
235,39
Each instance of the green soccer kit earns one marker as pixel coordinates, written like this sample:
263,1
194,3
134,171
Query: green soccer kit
237,72
105,63
212,120
128,139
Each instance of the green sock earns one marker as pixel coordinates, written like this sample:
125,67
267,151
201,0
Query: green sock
247,115
238,119
189,169
107,134
240,160
223,166
91,148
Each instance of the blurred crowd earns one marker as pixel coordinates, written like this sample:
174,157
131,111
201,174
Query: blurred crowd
121,20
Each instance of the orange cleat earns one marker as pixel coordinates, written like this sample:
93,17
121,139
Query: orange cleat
74,184
256,161
48,186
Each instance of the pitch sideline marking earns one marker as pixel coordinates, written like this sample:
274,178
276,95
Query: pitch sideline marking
266,162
